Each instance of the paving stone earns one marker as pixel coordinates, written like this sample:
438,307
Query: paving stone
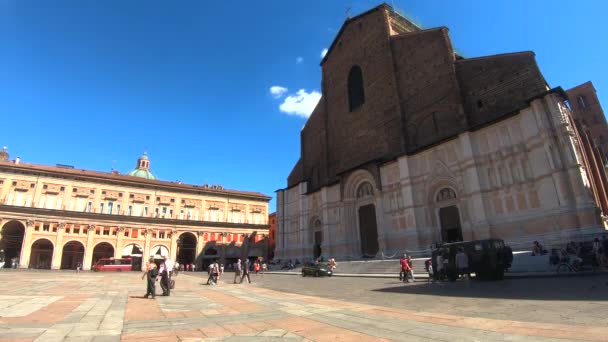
96,314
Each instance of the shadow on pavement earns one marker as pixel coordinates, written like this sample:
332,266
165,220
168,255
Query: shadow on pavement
592,288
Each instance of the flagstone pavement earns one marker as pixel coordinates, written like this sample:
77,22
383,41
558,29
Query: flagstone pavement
65,306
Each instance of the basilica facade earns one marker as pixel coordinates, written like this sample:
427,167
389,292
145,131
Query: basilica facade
58,217
412,144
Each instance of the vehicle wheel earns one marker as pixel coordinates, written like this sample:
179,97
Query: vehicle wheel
119,270
317,274
563,268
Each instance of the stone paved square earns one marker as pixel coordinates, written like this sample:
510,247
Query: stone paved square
66,306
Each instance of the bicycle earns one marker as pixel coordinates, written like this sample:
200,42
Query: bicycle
573,263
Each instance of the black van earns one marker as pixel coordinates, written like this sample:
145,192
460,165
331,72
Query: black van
488,258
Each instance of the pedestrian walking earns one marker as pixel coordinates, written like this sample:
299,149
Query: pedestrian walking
237,270
150,274
245,271
165,284
187,267
213,273
193,267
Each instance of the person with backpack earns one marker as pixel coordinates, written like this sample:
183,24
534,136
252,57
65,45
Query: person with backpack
213,273
151,274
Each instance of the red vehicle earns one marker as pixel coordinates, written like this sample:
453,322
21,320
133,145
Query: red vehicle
112,264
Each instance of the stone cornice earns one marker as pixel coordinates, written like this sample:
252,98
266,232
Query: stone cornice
66,215
98,177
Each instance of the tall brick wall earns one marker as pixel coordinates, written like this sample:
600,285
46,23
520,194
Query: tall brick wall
372,131
428,89
591,115
417,93
314,151
496,85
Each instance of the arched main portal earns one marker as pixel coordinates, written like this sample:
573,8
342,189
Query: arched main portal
368,228
12,243
72,255
450,224
102,250
317,239
449,216
135,252
41,255
186,249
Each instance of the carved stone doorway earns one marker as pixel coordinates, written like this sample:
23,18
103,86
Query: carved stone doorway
317,245
368,230
450,224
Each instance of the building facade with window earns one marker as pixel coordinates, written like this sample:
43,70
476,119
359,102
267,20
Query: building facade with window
58,217
589,115
413,145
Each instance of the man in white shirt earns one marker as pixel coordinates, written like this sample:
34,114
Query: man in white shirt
439,263
169,265
462,262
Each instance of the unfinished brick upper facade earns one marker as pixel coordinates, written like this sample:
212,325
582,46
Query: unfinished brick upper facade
418,92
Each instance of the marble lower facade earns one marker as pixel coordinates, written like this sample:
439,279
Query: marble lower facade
520,179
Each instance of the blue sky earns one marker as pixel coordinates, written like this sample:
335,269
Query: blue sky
95,83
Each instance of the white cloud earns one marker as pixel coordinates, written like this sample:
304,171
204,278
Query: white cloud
323,53
299,60
301,103
277,91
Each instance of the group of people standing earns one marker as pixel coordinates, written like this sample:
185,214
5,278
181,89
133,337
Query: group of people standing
442,261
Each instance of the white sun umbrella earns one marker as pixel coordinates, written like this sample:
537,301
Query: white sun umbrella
159,252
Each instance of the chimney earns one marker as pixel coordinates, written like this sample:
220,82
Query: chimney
17,160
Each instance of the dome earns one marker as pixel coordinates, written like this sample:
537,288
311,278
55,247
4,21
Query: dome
142,173
144,156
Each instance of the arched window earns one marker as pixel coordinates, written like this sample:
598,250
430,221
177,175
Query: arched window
356,94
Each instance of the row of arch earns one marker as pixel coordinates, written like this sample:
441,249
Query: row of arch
42,250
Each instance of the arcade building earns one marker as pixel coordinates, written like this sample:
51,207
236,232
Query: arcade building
57,217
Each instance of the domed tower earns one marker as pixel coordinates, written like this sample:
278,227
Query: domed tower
4,154
143,168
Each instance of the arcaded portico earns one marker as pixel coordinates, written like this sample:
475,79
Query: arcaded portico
58,217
